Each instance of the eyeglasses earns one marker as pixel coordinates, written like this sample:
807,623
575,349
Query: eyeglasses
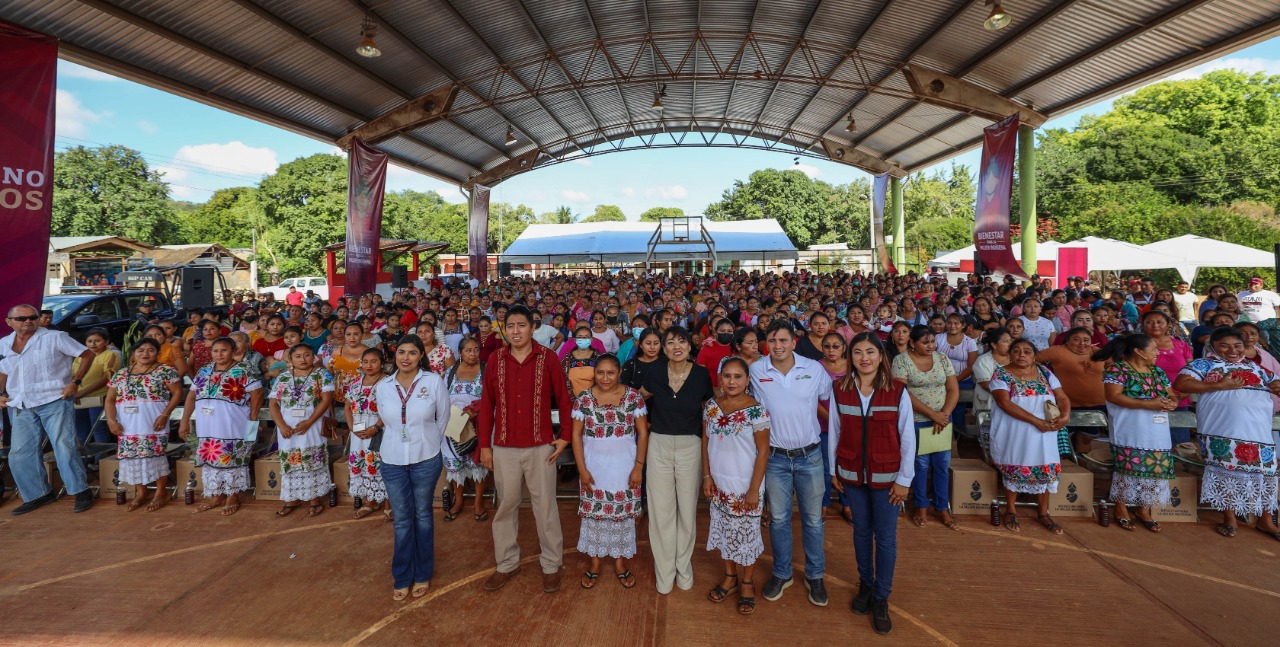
831,347
25,318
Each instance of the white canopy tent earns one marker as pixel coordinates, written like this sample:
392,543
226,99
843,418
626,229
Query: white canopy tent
1109,255
1044,250
1194,252
628,242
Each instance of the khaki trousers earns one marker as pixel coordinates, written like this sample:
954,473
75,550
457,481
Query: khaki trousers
673,475
512,468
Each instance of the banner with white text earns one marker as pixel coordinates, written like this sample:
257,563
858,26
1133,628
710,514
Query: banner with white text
995,191
366,181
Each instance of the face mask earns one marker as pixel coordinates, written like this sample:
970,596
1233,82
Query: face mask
583,344
611,320
250,318
635,332
792,308
724,338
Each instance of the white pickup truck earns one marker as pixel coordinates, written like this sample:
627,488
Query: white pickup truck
316,284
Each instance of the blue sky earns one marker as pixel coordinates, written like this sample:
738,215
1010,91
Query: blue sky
201,149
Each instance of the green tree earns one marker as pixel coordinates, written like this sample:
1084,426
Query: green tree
228,218
810,211
938,210
606,213
658,213
305,207
111,191
561,216
506,223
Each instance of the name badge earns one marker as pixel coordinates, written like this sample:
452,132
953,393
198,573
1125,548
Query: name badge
298,413
1160,419
131,409
359,427
206,411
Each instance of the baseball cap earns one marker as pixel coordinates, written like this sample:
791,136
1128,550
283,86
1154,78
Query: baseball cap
1255,280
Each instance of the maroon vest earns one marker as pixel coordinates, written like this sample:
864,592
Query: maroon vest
869,452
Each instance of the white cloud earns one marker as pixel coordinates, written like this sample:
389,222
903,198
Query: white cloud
73,119
1248,65
673,192
230,164
69,70
628,192
811,171
148,127
575,196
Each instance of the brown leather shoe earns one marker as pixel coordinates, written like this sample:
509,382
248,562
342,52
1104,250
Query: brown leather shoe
551,582
499,579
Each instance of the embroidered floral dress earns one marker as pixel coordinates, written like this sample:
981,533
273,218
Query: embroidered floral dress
140,399
344,371
436,358
462,467
1235,435
304,458
610,508
365,463
221,425
731,452
1140,440
1027,458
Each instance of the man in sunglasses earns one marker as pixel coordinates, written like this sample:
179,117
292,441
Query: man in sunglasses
36,386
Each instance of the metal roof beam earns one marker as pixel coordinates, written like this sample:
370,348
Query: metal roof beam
622,99
419,112
949,92
783,68
1012,39
751,27
843,154
926,134
563,69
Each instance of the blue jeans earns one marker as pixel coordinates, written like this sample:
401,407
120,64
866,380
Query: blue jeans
804,476
410,489
1180,434
936,465
88,426
57,421
958,414
875,537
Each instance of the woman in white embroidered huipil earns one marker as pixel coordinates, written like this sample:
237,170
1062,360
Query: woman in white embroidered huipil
140,398
610,437
465,381
300,400
364,459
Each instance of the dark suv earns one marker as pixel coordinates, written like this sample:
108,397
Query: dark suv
79,312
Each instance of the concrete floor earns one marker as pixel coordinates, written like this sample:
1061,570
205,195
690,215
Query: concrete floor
170,577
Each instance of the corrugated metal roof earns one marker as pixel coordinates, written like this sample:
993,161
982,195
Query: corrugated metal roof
789,71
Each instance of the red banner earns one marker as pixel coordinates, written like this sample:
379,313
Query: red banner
995,189
28,78
879,192
366,181
478,233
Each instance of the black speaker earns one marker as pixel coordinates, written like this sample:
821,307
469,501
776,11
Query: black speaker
504,269
978,267
197,287
399,277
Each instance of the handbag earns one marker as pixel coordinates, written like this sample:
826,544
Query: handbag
461,432
1051,411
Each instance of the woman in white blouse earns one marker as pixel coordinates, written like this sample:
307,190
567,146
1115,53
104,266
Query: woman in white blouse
413,404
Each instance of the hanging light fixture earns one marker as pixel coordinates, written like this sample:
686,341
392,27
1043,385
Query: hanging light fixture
368,48
852,125
511,136
657,97
999,18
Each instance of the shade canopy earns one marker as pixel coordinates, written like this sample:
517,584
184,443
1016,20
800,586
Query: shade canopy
1108,255
1044,250
628,242
1195,252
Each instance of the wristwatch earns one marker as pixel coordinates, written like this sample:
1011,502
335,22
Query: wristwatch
77,382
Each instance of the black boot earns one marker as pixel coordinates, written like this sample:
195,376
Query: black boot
880,617
862,601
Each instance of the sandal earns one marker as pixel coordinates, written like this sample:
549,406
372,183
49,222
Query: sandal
1151,524
1011,522
1273,535
719,593
483,516
158,501
747,604
230,509
315,510
589,579
204,507
450,516
627,579
420,589
287,510
1049,524
1226,531
1126,523
919,521
951,524
363,512
399,594
134,505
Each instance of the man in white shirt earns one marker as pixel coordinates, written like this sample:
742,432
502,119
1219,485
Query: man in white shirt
1258,304
1185,301
790,386
36,386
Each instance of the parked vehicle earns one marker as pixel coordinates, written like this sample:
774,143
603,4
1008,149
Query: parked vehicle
316,284
77,313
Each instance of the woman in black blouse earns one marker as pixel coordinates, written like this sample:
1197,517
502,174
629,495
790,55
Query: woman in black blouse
676,389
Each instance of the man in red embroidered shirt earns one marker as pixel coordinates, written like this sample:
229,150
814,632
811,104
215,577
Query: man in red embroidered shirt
519,445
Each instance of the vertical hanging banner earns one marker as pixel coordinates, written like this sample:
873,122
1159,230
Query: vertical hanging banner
478,233
879,192
28,77
366,180
995,189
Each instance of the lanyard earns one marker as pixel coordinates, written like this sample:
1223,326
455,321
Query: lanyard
404,400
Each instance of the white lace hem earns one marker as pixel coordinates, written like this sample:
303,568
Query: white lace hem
737,538
1238,492
599,538
467,472
1031,488
1138,491
223,481
142,471
370,489
305,485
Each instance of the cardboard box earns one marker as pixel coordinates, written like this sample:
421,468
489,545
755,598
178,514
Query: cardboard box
342,479
266,477
973,486
1074,497
184,469
109,479
1184,501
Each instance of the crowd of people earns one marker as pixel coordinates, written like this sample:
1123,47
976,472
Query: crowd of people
842,391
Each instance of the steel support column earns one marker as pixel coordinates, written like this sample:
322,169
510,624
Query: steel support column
1027,196
899,224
